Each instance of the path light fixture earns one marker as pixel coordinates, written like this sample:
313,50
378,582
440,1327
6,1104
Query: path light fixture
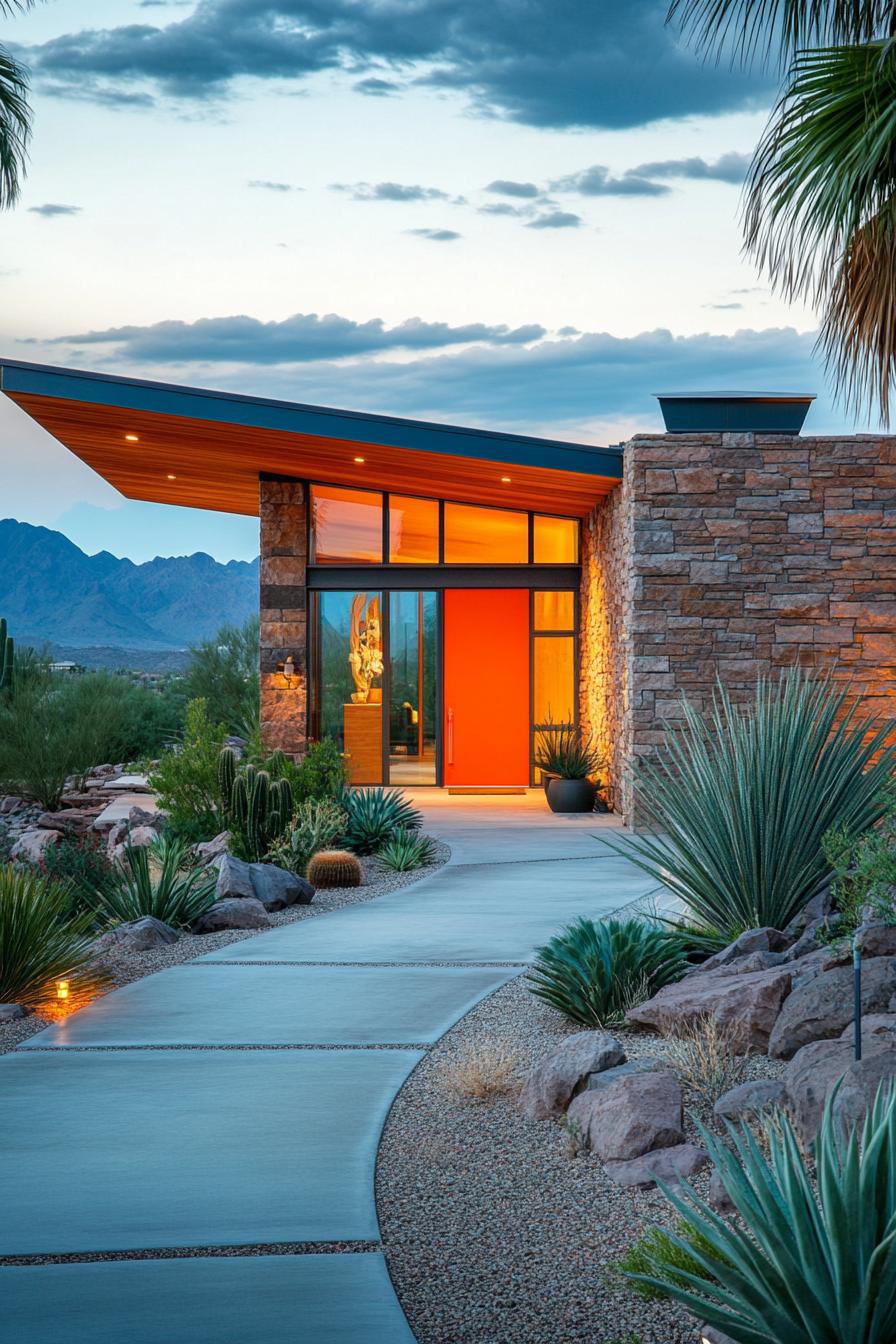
63,989
857,992
289,674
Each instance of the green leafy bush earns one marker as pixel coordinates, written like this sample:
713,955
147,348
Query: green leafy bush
740,798
316,825
40,941
322,772
594,973
81,865
223,671
562,749
659,1254
373,817
405,850
186,776
864,871
806,1262
158,880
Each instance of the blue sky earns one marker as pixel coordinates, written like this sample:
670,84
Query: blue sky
522,216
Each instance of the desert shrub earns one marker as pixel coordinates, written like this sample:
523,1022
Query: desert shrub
406,850
123,719
315,826
709,1056
186,776
593,973
333,868
864,868
40,941
739,799
660,1254
82,866
806,1262
223,671
322,772
491,1066
257,804
158,880
373,817
563,749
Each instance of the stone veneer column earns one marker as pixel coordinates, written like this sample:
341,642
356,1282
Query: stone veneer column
283,612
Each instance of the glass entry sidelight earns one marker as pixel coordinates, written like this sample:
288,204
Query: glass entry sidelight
412,659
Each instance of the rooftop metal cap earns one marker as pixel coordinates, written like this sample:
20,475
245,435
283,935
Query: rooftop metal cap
734,412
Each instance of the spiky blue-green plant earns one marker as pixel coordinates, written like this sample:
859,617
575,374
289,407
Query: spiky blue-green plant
804,1262
373,817
406,850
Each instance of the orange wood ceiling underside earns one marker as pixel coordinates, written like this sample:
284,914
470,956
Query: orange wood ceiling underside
216,466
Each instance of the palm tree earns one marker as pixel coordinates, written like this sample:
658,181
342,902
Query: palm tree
820,202
15,115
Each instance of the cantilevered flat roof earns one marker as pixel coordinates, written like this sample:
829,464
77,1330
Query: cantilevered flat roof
206,449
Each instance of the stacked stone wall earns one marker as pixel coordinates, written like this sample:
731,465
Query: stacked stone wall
283,611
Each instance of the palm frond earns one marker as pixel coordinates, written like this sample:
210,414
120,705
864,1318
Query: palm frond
772,31
15,126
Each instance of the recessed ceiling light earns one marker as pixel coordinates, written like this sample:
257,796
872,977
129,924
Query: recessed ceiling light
506,480
171,478
359,459
132,438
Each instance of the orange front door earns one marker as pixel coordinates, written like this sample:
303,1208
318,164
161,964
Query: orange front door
486,687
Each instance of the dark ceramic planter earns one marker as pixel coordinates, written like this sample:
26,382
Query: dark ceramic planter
571,795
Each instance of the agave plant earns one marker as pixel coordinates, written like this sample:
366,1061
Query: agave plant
801,1264
404,850
739,799
157,880
374,815
594,972
40,941
562,749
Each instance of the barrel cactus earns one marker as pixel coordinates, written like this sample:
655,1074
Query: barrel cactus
334,868
258,808
7,657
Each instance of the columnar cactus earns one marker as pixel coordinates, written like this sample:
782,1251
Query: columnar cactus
7,657
258,808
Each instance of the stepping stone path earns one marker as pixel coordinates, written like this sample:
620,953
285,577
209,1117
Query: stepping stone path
212,1129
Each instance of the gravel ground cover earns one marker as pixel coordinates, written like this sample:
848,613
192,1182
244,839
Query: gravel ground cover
123,967
493,1231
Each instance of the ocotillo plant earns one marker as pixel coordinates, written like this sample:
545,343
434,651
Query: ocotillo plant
258,808
7,657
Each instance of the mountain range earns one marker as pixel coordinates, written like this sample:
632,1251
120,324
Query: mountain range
53,593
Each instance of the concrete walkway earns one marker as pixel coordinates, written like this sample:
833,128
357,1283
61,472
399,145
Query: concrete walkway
211,1131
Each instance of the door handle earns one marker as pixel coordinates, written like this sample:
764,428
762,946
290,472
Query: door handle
450,717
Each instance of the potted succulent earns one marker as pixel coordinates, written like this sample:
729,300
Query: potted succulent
569,762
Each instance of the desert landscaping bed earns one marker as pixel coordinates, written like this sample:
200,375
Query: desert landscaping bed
493,1229
124,966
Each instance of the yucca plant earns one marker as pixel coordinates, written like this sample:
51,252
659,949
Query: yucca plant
739,799
593,973
374,815
157,880
40,941
804,1262
405,850
562,749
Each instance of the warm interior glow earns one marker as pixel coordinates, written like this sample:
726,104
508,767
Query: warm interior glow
554,611
556,540
554,679
413,530
62,989
346,525
479,536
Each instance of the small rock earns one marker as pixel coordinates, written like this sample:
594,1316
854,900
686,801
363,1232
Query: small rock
631,1116
233,912
32,845
749,1098
209,850
647,1064
74,820
274,887
139,935
810,939
819,1010
10,1012
138,816
565,1071
9,803
717,1196
752,940
670,1165
821,906
876,939
708,1334
751,1001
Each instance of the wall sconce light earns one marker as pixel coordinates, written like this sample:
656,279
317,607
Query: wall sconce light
62,989
289,673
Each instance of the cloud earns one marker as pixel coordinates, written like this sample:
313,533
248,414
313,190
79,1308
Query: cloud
389,191
298,339
505,208
556,219
376,88
553,63
642,180
436,235
53,210
599,181
731,167
724,307
525,190
281,187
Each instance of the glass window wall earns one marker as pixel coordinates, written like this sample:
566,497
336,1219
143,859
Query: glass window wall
413,530
413,658
346,526
555,540
481,536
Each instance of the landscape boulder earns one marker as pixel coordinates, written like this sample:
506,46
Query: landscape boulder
274,887
647,1064
10,803
10,1012
875,1024
139,816
139,935
134,837
751,940
749,1098
876,939
567,1070
669,1165
717,1196
821,906
74,820
817,1067
31,846
750,1001
819,1009
708,1334
631,1116
233,912
209,850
